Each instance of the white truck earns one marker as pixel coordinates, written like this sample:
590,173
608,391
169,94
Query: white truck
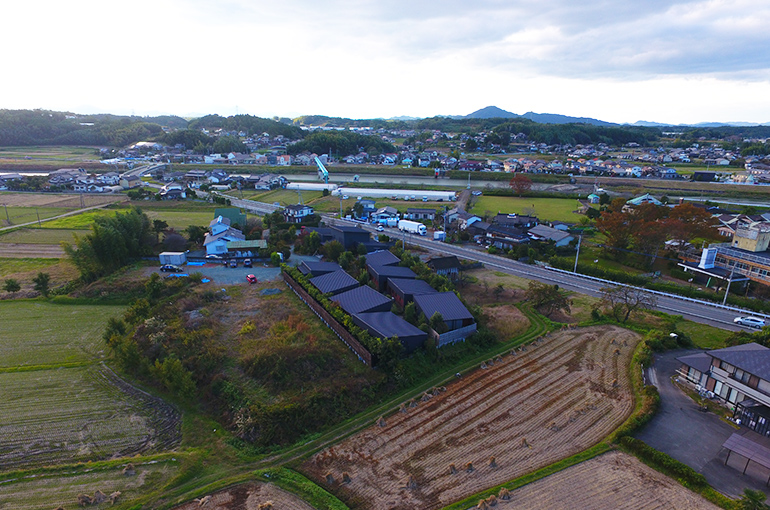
413,227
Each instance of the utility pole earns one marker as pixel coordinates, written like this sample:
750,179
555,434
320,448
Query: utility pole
38,217
724,301
580,238
6,213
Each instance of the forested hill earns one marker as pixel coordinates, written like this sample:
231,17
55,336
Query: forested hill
44,127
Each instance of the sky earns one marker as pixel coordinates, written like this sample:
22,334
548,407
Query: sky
620,61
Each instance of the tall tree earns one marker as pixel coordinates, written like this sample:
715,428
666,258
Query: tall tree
621,301
520,184
547,298
42,281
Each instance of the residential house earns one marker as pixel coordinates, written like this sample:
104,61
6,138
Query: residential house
130,181
388,325
318,268
297,213
545,233
384,213
362,299
220,233
515,221
350,237
445,266
456,316
334,283
403,290
365,208
420,214
739,376
382,258
380,274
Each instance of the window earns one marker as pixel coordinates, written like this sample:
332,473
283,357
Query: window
741,376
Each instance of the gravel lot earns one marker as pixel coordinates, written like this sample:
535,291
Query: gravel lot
218,273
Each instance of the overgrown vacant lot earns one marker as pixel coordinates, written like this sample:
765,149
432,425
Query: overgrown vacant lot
250,497
35,333
528,410
76,414
50,489
608,482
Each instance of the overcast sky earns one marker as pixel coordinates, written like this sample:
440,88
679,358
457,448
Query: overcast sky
616,60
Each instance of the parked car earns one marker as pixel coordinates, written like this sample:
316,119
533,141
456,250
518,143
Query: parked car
476,193
251,278
170,268
380,228
751,322
213,257
247,263
234,263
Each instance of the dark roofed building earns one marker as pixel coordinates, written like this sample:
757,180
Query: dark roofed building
334,283
362,300
382,258
447,266
416,214
450,307
296,213
403,290
380,274
515,220
349,237
388,325
318,268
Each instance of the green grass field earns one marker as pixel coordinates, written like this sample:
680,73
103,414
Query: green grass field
10,267
41,235
19,215
36,333
81,221
179,220
546,209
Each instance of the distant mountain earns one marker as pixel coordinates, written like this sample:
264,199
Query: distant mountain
554,118
491,112
404,118
645,123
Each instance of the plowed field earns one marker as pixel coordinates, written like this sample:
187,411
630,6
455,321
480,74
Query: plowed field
551,400
613,481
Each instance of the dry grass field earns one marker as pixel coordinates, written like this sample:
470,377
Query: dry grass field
248,497
65,200
512,416
613,481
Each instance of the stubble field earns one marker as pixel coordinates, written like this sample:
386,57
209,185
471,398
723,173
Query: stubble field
249,497
522,412
613,481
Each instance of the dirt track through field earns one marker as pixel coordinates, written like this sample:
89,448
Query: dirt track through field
613,481
528,410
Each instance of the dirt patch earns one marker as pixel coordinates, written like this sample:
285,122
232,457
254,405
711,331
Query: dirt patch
611,481
523,412
248,497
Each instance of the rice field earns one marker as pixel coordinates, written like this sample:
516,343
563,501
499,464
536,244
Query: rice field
68,415
512,416
12,267
38,333
179,220
13,215
613,481
250,497
51,489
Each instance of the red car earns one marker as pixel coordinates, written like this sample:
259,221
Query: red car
251,278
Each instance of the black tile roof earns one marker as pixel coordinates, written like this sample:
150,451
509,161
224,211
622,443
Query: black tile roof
409,286
392,271
388,325
334,283
362,299
382,258
752,358
318,268
446,303
700,362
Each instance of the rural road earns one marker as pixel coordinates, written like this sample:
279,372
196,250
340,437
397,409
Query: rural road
696,311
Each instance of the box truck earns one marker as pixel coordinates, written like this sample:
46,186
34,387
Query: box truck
177,258
413,227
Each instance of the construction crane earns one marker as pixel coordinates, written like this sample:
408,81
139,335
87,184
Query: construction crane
323,173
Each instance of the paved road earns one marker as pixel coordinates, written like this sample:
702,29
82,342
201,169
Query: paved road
693,437
695,311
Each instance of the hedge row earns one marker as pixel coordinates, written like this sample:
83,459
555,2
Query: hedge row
672,467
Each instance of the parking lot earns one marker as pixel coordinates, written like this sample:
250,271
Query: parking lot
218,273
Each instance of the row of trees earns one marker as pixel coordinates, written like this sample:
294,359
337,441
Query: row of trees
645,228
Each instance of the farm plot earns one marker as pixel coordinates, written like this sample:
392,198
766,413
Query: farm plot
51,236
36,333
249,497
66,200
78,414
611,481
49,490
522,412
